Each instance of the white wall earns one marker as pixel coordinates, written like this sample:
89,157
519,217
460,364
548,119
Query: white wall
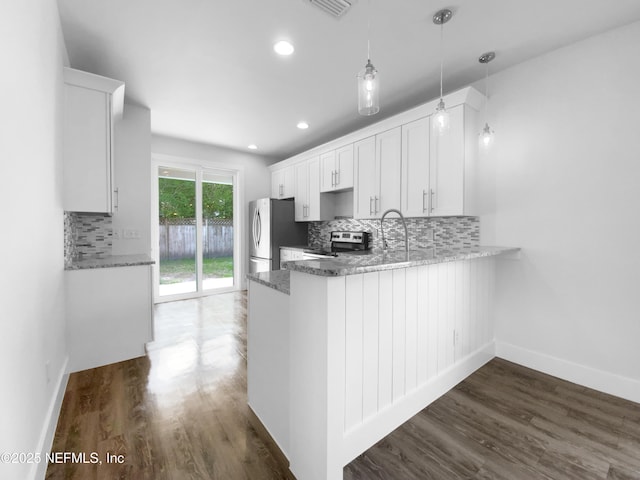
31,283
255,178
566,170
132,178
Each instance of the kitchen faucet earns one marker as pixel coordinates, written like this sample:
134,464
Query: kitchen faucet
404,224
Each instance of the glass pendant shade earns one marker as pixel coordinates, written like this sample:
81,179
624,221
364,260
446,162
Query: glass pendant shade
441,121
486,136
368,90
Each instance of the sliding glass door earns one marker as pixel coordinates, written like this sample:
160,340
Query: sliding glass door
195,231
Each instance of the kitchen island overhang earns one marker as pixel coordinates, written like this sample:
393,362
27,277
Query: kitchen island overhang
372,341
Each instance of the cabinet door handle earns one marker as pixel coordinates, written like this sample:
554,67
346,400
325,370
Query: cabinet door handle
280,190
116,201
431,195
424,201
376,208
370,205
337,177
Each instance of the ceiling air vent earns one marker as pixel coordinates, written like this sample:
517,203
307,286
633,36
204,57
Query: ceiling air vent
335,8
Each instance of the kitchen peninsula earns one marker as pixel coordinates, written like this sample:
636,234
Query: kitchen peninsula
361,343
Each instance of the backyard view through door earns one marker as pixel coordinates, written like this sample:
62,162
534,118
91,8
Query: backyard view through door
195,230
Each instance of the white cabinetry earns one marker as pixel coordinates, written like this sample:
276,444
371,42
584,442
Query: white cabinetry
282,183
109,315
377,172
309,204
388,165
415,168
437,171
364,189
92,105
337,169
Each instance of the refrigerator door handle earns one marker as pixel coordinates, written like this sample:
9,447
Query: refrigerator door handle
258,228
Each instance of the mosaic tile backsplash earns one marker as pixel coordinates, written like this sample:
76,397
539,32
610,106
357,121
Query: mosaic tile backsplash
87,234
448,232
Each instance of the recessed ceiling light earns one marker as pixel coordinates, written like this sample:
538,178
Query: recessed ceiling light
252,147
283,48
303,125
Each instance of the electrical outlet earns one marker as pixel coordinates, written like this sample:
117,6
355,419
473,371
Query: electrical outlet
131,233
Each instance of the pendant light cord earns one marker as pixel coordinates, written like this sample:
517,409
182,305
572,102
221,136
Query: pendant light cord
441,55
369,31
486,93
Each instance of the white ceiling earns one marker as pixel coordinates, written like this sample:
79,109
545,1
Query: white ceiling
207,71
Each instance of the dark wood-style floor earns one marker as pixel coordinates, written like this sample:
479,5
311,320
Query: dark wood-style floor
181,413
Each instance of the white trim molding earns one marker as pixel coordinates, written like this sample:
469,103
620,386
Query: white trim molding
607,382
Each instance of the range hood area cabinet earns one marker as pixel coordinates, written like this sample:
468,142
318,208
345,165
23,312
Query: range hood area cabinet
336,169
283,183
92,106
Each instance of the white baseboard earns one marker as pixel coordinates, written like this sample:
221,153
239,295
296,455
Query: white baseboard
607,382
39,470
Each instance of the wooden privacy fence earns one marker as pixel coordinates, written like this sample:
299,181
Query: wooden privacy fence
178,238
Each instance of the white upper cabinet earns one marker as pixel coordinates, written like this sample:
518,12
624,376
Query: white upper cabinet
92,105
364,189
447,168
437,171
337,169
377,182
309,204
400,163
415,168
388,165
282,183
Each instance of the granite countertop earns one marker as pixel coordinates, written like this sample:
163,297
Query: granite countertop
353,264
276,279
109,261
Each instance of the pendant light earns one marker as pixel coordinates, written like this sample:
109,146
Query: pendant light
441,117
487,135
368,81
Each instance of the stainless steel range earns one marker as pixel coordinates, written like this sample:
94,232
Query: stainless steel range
341,242
349,241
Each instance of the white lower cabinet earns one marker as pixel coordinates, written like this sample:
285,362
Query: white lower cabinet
109,315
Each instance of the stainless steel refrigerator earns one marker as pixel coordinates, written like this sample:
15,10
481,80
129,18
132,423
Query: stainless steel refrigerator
272,224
